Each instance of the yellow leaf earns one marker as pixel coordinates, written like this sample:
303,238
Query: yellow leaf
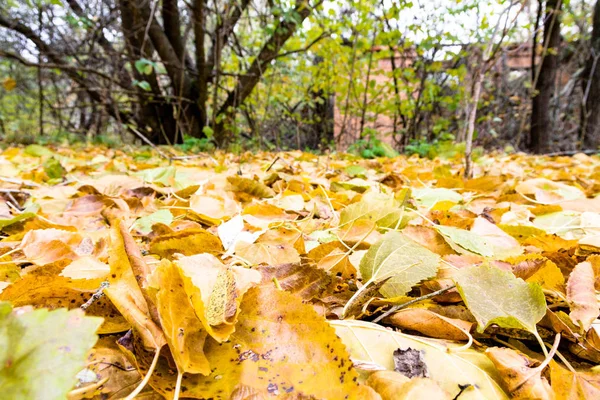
184,331
280,347
394,386
569,385
45,289
9,84
126,295
250,186
368,342
521,377
215,291
187,242
268,253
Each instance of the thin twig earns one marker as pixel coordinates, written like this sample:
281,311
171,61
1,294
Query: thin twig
273,163
409,303
97,295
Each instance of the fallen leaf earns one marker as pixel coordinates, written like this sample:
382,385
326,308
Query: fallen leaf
484,288
187,242
461,240
144,224
372,343
250,186
581,296
215,291
183,330
267,253
394,386
380,208
126,295
398,257
430,324
41,351
573,385
310,361
302,279
521,376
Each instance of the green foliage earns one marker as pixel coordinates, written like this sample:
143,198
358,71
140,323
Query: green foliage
369,146
41,351
194,145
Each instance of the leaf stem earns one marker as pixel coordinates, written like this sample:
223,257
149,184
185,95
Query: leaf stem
178,386
541,342
409,303
563,359
144,382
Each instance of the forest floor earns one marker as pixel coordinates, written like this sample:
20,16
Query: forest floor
247,276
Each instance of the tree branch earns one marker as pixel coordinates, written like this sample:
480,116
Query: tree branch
62,67
55,58
269,51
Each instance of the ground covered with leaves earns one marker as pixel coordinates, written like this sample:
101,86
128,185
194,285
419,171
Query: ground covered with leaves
128,273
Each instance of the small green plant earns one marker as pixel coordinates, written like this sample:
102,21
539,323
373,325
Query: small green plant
369,146
192,144
110,141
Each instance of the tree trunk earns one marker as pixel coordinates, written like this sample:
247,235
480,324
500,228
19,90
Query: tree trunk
154,120
591,89
541,124
247,82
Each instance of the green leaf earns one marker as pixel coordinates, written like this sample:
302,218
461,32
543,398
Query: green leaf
498,297
144,224
381,208
208,132
28,213
357,184
356,171
167,176
406,261
143,84
466,240
559,223
144,66
36,150
429,196
54,169
41,351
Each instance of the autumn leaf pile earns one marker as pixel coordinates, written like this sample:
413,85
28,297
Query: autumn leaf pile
127,274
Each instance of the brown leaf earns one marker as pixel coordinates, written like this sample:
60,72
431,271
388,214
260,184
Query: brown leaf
429,238
338,263
302,279
581,296
45,246
360,231
519,374
430,324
